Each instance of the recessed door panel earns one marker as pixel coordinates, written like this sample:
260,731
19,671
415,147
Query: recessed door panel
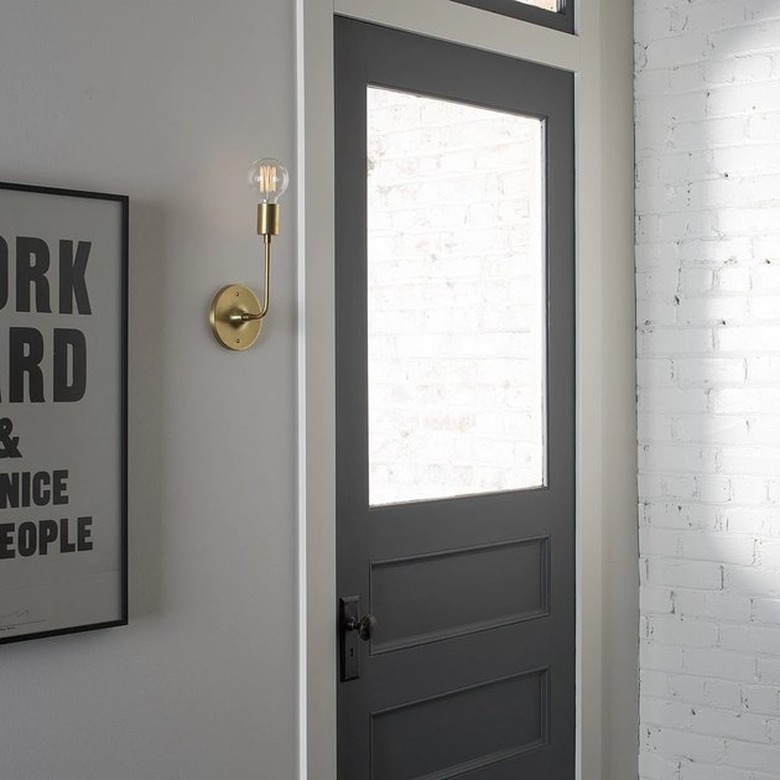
488,724
459,597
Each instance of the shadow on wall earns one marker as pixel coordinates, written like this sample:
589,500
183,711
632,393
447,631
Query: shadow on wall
708,342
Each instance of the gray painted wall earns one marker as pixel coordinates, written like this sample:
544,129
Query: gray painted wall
166,102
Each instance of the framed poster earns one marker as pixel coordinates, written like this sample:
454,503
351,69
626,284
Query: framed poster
63,411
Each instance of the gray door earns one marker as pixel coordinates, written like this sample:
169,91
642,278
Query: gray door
455,411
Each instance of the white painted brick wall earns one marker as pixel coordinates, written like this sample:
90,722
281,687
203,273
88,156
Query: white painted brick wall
708,341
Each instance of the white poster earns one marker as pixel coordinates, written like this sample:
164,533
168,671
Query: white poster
63,420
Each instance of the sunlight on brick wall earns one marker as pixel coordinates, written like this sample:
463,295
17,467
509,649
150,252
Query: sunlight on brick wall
708,289
455,317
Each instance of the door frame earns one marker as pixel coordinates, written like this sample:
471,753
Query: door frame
606,493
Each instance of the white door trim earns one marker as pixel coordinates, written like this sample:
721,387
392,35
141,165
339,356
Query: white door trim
607,578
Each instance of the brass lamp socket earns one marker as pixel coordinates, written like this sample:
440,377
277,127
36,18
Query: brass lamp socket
268,219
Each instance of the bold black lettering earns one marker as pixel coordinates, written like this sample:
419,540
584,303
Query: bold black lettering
84,533
26,485
29,273
3,272
6,540
27,539
73,277
47,533
25,354
60,487
70,375
40,488
66,545
9,490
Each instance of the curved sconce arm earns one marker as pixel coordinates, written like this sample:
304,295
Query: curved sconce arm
249,316
236,315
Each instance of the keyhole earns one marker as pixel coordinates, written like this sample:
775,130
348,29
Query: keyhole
351,652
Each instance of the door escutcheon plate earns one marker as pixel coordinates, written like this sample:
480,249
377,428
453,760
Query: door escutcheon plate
349,609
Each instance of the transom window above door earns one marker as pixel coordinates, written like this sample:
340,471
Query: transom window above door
557,14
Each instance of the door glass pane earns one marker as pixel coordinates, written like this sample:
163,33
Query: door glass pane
549,5
456,312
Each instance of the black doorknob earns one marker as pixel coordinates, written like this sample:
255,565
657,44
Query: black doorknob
364,626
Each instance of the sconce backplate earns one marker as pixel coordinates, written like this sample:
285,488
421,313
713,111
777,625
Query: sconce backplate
227,306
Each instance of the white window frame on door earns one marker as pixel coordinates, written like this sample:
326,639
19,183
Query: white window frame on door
600,54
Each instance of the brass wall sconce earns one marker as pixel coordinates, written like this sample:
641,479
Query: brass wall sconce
236,316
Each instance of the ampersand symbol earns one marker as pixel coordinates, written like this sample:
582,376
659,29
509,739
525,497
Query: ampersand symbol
9,445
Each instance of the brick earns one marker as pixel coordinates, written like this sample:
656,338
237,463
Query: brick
654,427
672,714
749,755
717,605
712,310
765,523
763,699
745,39
755,640
694,280
744,68
682,744
723,694
766,611
751,490
678,457
676,50
769,671
721,723
692,574
727,606
660,658
747,400
763,369
720,663
733,279
713,489
750,460
691,690
653,683
690,770
682,515
665,342
740,99
745,159
710,429
768,553
719,547
682,632
762,9
659,542
694,135
751,581
654,767
687,401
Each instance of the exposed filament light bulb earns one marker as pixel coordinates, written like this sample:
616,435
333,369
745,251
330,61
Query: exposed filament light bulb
268,178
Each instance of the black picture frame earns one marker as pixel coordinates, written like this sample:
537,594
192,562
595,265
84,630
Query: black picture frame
91,231
562,20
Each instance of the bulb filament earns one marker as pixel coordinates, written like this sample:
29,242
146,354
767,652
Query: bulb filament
268,178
